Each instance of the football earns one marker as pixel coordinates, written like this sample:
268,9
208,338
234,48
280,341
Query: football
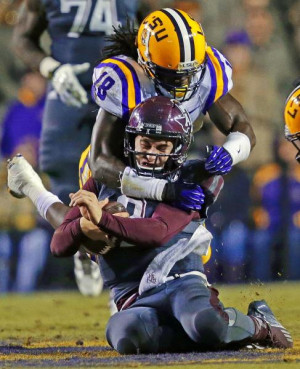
102,247
114,207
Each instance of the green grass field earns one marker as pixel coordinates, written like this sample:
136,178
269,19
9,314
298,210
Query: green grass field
36,329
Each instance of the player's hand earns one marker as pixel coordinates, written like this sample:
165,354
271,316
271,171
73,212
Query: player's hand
90,207
189,196
219,160
67,85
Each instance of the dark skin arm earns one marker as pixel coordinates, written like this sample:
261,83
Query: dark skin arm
229,116
27,32
107,157
107,154
56,214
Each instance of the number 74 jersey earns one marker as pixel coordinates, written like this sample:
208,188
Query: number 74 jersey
120,83
78,27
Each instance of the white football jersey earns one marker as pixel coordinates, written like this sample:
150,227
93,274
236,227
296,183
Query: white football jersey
120,83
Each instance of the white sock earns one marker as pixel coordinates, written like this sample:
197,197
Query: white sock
34,189
44,201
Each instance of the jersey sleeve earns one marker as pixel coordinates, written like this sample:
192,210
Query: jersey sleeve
166,221
116,86
220,76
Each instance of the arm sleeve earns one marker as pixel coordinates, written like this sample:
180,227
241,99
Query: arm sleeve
165,222
68,236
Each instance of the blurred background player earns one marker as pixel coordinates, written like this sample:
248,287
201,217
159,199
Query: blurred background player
292,118
77,31
24,235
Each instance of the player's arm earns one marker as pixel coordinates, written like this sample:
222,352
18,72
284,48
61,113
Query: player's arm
27,32
106,160
165,222
230,118
26,43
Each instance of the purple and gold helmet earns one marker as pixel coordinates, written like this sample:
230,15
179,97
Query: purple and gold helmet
160,118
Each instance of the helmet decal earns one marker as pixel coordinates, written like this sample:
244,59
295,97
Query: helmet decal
172,51
185,39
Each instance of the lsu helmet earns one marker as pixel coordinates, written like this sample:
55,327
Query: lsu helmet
171,49
160,118
292,119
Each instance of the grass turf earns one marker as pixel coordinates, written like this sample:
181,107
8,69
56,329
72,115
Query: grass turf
55,328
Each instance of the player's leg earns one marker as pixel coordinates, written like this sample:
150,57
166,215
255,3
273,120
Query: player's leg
199,311
33,252
22,180
145,330
204,319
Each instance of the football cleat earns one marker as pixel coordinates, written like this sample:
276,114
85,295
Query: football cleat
20,174
276,335
87,275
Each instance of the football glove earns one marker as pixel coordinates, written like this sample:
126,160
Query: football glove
219,160
66,84
189,196
183,195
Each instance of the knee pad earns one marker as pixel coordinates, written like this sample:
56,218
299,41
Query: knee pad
138,333
126,346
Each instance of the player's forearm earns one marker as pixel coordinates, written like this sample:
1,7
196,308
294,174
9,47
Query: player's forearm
67,239
229,116
165,222
107,170
26,36
90,230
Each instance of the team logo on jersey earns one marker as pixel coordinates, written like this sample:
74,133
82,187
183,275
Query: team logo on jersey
151,278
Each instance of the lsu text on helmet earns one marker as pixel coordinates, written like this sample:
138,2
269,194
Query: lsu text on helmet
171,49
292,119
159,118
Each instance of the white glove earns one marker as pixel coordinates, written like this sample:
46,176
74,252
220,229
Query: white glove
64,80
67,85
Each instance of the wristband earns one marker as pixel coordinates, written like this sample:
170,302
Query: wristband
47,66
238,145
140,187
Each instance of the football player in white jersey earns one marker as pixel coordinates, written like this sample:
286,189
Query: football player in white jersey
167,56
